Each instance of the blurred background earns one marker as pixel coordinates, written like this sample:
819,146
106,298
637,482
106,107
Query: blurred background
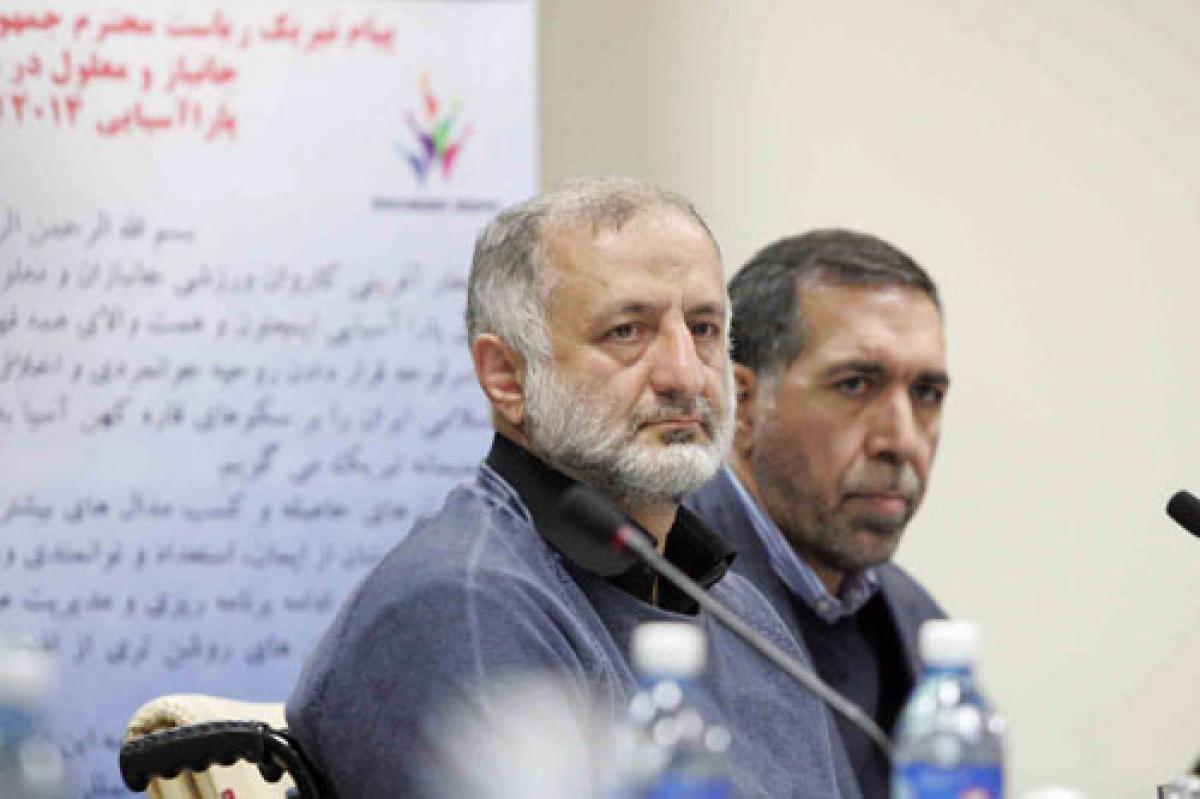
1040,160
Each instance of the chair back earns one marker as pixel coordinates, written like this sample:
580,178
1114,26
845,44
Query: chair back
241,780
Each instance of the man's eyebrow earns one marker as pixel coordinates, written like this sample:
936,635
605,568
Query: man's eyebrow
858,367
937,377
632,307
640,307
707,309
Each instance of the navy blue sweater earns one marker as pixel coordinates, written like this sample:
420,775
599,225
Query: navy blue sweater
475,595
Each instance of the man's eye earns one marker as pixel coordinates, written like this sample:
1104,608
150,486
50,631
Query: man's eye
706,330
929,394
625,332
852,386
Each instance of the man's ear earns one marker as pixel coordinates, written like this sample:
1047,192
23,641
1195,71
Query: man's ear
746,388
501,374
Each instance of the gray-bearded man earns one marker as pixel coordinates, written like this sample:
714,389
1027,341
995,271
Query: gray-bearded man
597,320
841,371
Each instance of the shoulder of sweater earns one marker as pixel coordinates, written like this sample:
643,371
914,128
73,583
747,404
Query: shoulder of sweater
473,550
749,604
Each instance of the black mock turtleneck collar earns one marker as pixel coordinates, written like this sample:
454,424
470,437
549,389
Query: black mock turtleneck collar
691,546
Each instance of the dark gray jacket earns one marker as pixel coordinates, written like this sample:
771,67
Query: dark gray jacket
719,505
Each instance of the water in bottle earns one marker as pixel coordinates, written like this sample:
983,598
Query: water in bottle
949,742
667,749
31,765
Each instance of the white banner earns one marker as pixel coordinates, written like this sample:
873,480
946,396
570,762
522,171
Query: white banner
233,248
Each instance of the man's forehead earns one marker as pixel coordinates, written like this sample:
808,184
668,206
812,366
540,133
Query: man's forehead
567,229
892,324
656,240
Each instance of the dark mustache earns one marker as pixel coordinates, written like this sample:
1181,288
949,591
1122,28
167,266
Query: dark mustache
901,481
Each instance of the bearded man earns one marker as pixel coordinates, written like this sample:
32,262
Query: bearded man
841,374
597,320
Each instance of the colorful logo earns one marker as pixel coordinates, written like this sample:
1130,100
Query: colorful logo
438,148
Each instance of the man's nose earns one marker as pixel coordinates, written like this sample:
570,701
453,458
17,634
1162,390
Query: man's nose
677,369
896,434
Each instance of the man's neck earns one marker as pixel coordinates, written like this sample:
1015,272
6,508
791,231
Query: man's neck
657,520
831,578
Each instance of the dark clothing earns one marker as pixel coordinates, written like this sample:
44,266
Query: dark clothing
871,657
861,657
476,594
697,551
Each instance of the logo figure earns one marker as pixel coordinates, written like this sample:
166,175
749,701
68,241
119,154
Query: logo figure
434,136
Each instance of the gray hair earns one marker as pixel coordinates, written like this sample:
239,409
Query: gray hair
768,328
509,289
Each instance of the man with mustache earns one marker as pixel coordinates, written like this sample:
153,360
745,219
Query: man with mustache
597,321
841,373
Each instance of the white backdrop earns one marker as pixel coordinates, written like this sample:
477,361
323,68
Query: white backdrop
233,246
1040,160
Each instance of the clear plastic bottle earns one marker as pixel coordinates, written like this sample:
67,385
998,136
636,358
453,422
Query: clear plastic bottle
31,765
949,742
667,749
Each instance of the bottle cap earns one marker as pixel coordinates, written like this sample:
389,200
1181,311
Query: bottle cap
1054,792
26,673
669,647
947,642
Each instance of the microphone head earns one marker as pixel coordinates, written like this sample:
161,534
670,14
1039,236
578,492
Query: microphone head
586,526
1184,508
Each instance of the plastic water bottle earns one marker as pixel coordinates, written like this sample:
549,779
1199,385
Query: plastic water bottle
667,749
949,742
31,766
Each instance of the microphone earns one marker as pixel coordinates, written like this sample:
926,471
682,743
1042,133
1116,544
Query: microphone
1184,508
597,520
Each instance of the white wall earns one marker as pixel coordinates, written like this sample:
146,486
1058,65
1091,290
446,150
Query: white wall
1042,160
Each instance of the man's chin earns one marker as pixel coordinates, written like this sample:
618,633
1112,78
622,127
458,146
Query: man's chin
682,467
877,543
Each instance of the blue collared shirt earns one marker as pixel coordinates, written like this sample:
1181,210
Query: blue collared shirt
797,575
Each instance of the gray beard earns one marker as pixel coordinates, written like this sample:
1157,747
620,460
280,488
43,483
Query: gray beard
572,431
